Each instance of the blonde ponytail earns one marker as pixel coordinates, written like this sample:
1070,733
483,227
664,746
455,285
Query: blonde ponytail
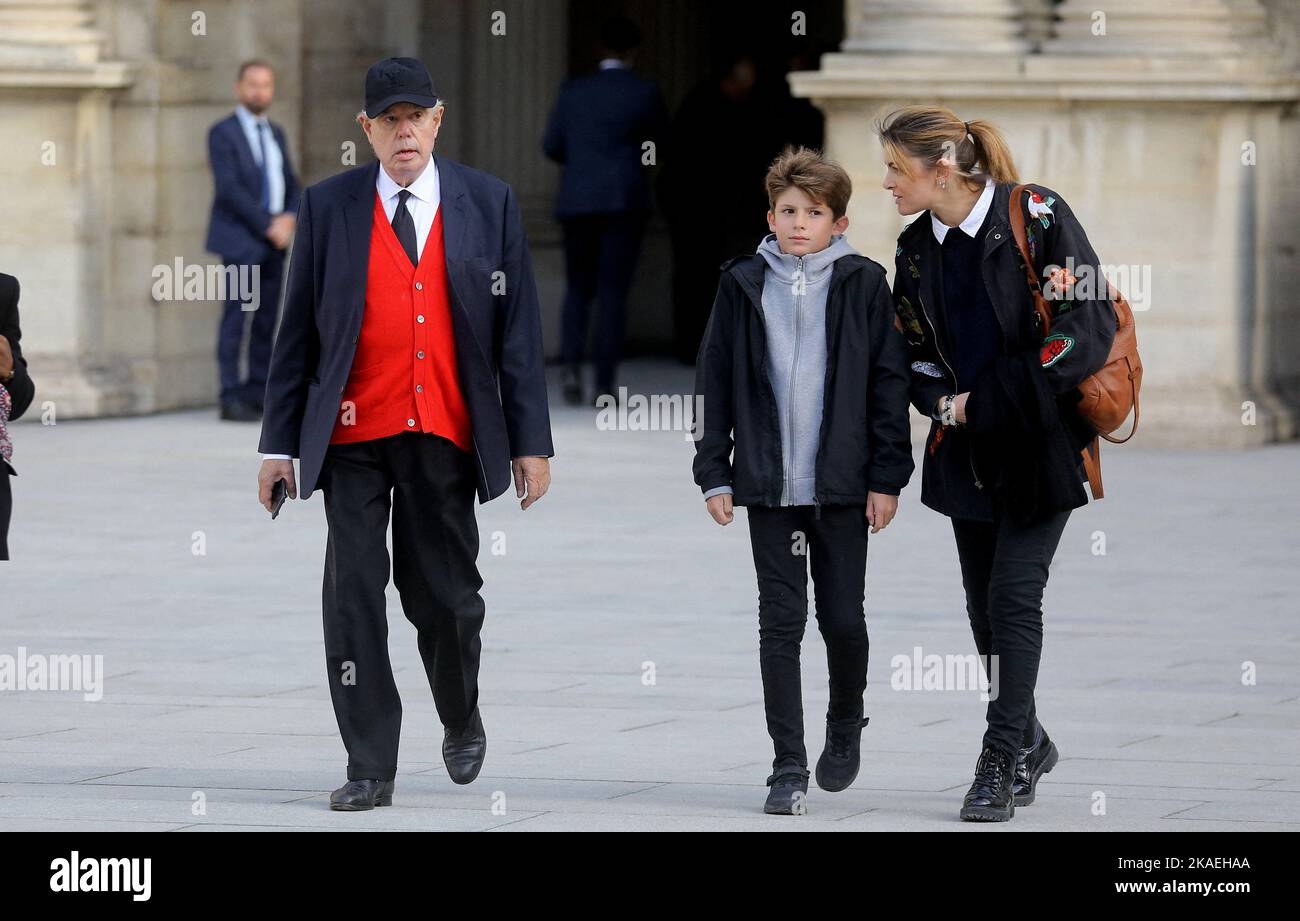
933,133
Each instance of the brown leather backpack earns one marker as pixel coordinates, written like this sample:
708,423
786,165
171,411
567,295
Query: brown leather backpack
1112,392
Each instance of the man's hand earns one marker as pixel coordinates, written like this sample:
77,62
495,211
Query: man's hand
532,478
719,507
6,358
281,230
880,510
273,471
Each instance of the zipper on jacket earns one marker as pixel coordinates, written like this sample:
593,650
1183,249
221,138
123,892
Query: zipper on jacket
787,459
939,351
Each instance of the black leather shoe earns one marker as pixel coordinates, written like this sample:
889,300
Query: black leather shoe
360,795
989,798
838,765
1032,763
789,793
239,411
463,750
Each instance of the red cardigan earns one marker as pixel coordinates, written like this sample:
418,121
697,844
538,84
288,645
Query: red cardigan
403,376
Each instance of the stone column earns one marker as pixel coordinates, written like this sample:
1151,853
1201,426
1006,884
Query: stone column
56,95
1171,136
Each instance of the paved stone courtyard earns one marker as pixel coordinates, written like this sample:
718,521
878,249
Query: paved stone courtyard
620,683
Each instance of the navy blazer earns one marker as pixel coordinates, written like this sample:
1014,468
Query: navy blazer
498,336
237,227
596,131
21,389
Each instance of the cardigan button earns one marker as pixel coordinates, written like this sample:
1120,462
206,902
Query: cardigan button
419,354
410,422
419,388
419,286
420,318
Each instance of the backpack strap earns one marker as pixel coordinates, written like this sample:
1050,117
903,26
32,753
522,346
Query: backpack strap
1092,467
1017,216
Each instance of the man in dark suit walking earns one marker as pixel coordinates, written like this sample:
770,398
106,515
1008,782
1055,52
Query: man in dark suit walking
407,376
253,219
598,131
16,393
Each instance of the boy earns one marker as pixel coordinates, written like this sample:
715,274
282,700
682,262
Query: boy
804,373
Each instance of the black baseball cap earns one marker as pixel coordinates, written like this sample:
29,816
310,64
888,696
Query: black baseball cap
395,80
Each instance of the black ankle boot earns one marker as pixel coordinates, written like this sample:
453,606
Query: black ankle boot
990,798
1032,762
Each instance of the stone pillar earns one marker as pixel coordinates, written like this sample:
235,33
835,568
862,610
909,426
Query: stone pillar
1170,133
56,96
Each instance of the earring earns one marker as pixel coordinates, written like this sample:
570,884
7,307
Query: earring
943,183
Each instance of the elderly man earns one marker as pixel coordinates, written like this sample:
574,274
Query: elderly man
407,373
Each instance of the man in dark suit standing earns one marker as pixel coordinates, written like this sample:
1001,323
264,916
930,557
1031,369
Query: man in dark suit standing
17,396
407,375
253,219
597,131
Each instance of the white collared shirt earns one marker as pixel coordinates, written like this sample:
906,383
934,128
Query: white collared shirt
426,194
274,170
974,221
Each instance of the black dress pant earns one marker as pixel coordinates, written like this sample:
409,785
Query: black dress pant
261,333
1004,567
6,509
836,545
600,252
428,482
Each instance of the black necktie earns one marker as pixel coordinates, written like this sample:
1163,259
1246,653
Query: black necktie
404,227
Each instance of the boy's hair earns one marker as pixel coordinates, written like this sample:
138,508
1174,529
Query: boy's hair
822,180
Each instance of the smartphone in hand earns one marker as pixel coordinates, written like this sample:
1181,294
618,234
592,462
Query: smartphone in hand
279,492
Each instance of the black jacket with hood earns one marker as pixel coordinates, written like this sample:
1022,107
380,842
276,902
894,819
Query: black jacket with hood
864,442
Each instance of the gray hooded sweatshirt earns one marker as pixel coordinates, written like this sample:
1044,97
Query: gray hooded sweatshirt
795,322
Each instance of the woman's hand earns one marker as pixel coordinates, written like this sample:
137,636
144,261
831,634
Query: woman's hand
959,406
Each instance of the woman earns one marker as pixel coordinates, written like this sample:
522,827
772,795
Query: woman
16,391
1002,459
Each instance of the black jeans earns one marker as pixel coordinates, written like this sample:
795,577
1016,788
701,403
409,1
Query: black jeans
600,252
1004,569
429,484
6,509
836,545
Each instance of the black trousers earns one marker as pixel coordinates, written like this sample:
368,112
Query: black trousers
836,546
600,252
428,483
6,510
261,332
1004,569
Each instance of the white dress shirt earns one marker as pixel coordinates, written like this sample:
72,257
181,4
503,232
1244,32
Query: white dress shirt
423,205
252,124
971,225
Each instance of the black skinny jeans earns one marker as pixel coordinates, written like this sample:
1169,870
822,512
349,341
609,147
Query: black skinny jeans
836,546
1004,571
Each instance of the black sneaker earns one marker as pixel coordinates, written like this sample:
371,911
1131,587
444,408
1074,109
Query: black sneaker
1032,763
838,765
989,798
789,793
